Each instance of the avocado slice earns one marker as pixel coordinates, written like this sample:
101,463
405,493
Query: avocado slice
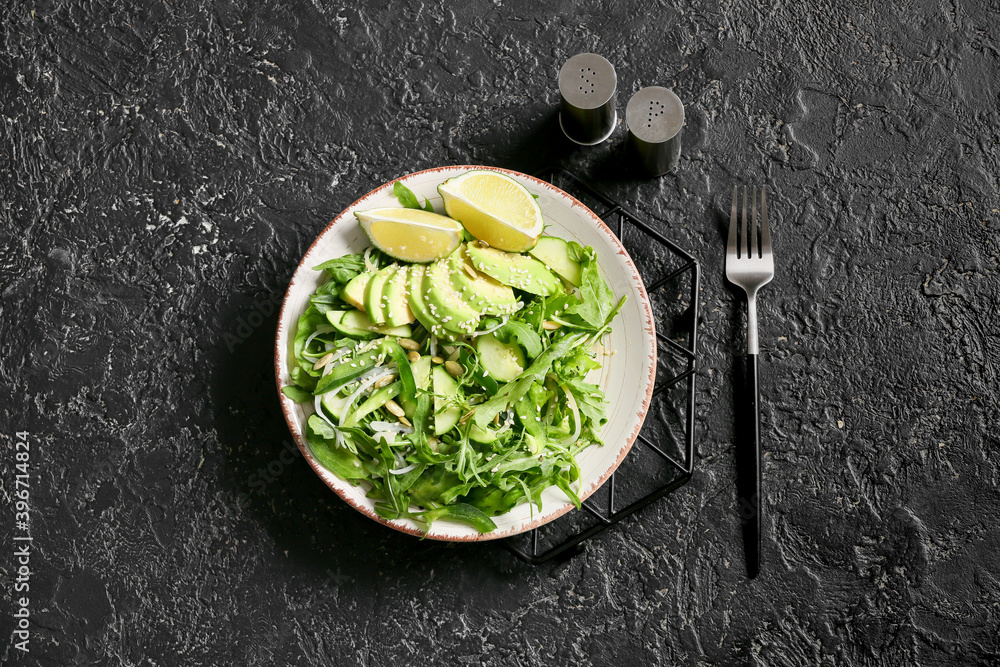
355,323
415,296
554,253
395,307
482,292
373,295
445,386
524,273
445,304
354,291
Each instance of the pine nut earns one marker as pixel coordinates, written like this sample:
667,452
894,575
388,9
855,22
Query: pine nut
408,344
384,381
454,368
393,407
549,325
323,361
404,421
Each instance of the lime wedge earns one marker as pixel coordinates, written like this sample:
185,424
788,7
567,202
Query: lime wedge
494,208
409,234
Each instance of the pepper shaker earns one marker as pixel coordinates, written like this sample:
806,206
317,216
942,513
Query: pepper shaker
655,117
587,84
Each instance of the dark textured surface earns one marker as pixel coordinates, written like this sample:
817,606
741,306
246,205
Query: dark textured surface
165,165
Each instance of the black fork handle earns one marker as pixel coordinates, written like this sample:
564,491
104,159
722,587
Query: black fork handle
748,444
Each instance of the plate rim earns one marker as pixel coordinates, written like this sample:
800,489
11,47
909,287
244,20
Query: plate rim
649,338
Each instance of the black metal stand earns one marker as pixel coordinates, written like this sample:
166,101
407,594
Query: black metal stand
601,508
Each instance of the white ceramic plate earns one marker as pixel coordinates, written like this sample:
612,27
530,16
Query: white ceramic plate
627,377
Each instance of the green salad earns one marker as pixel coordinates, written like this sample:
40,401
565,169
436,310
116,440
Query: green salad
454,388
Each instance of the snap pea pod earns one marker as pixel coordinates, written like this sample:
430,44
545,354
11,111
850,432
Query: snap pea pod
347,372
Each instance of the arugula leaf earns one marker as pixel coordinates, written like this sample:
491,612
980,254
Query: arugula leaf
303,379
407,199
464,513
533,315
596,298
575,251
341,270
559,304
564,484
487,382
435,481
523,334
576,364
321,428
409,387
297,394
453,476
405,195
341,461
590,401
512,391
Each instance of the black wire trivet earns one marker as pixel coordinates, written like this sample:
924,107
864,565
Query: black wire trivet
662,458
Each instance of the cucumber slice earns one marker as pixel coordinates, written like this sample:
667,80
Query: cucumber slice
503,361
334,404
422,371
554,253
444,386
481,435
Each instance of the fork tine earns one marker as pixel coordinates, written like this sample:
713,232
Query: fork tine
733,224
743,236
753,228
765,232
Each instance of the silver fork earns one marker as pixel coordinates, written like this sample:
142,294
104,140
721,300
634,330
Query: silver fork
750,266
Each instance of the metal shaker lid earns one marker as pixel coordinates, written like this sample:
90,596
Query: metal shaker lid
655,117
587,84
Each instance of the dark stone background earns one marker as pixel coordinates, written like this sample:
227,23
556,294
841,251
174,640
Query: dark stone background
165,165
